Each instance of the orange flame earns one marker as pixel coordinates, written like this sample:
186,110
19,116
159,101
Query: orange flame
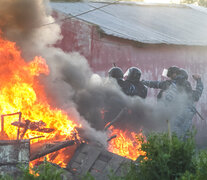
126,144
20,91
60,157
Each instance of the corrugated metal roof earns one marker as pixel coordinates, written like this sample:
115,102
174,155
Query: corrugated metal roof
154,24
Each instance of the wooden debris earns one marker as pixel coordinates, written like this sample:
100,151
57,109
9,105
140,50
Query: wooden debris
95,160
34,126
49,148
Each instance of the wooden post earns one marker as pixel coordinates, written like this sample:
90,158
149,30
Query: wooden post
2,124
169,131
18,131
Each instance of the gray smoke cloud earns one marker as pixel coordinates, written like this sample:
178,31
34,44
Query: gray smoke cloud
71,83
22,21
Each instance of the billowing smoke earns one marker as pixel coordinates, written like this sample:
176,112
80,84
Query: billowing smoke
21,21
71,83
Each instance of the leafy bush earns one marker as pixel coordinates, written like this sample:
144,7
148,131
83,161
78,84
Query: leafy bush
45,171
201,168
166,159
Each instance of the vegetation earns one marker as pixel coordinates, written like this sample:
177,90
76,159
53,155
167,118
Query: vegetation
199,2
165,159
168,159
201,168
45,171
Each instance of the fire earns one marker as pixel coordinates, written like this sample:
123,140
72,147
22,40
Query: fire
61,157
126,144
21,91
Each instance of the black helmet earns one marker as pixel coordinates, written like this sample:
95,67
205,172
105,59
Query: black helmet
133,74
116,72
172,70
183,74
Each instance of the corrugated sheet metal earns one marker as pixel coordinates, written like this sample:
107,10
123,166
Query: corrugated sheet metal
154,24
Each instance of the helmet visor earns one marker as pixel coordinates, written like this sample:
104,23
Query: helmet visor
126,74
164,72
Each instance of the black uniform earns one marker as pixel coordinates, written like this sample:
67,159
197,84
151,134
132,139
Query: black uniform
127,87
139,89
133,77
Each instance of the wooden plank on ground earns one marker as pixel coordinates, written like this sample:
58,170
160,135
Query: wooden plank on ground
89,154
113,164
92,154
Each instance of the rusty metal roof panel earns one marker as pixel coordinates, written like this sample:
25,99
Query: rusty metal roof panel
153,24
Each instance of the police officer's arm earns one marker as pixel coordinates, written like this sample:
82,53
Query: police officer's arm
199,88
156,84
151,84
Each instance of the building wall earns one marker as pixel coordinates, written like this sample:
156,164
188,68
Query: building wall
102,51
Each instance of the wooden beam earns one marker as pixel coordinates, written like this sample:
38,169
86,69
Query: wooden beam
51,149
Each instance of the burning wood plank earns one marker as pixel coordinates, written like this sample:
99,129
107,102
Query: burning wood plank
49,148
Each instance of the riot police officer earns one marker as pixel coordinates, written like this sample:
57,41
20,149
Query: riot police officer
185,86
163,85
133,76
126,86
180,89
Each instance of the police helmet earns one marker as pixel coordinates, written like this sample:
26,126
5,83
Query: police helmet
116,72
133,74
183,74
172,70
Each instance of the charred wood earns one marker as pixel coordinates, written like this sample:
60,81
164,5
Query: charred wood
112,137
52,148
